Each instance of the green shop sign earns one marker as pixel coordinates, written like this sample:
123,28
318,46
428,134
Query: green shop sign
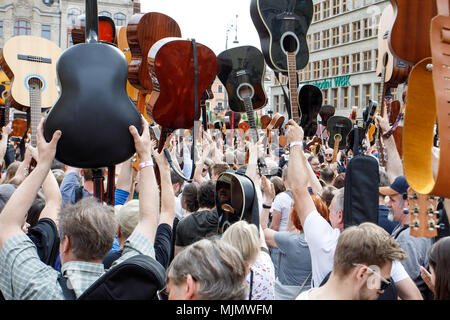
342,81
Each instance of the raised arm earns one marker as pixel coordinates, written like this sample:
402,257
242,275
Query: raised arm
167,213
394,165
298,178
6,130
148,189
53,198
22,170
15,211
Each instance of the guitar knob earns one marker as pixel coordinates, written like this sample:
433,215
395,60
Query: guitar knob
405,210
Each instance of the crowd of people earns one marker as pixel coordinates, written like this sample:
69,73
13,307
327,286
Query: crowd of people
53,227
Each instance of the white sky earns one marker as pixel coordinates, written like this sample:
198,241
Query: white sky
207,20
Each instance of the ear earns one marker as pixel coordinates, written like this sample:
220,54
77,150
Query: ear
191,288
65,245
119,231
340,216
361,274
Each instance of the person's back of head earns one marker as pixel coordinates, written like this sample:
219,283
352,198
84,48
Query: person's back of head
327,194
127,217
217,267
90,227
278,184
217,168
189,199
366,244
11,172
88,174
327,175
206,195
175,178
339,181
244,237
439,261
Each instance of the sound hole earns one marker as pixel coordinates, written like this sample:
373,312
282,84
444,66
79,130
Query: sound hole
35,83
290,43
245,91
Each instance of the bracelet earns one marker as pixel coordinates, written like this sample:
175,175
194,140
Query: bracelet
265,206
145,164
388,134
296,143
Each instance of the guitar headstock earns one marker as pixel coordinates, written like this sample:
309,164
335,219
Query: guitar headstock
423,214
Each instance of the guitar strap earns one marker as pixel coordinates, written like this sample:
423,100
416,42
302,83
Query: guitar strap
428,99
110,187
98,178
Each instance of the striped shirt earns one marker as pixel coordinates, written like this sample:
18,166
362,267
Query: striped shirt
23,276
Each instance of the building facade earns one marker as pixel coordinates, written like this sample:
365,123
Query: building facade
343,46
54,19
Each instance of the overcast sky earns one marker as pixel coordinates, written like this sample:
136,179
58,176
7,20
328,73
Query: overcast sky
207,20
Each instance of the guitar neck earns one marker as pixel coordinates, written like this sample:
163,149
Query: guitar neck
35,109
251,118
91,30
337,141
292,75
381,93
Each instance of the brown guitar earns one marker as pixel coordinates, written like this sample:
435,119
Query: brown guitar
106,30
423,214
143,31
410,36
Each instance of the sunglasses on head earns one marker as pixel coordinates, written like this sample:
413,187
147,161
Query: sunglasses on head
383,283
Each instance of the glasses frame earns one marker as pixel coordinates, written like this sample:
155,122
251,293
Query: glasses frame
162,294
384,284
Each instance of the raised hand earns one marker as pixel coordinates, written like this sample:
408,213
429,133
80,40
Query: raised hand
142,142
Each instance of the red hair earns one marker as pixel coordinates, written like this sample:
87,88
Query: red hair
321,207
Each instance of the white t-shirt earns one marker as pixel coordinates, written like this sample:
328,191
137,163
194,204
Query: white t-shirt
179,211
322,241
304,295
283,204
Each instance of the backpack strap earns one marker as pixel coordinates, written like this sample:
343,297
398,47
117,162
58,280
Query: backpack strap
69,294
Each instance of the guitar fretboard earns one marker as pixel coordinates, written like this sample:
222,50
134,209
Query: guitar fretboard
292,76
35,108
251,119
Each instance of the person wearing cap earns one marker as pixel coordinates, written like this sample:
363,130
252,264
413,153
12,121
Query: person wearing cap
416,248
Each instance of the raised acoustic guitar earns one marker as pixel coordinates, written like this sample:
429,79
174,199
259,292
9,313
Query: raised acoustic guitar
122,44
338,128
423,214
94,111
30,63
106,30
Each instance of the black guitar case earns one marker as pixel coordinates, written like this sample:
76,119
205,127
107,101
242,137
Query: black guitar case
310,100
361,188
236,199
94,111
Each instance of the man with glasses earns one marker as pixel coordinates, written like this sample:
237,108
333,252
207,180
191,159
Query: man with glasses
359,273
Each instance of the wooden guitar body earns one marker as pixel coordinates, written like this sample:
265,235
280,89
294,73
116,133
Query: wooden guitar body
122,44
171,65
397,70
27,57
4,86
143,31
410,36
242,68
338,128
310,100
94,111
282,26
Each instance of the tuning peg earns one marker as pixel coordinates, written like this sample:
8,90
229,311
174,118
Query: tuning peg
405,210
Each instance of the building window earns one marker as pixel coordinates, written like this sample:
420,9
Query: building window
22,28
356,62
325,68
335,93
368,28
326,9
105,13
46,31
356,30
345,64
325,97
345,98
120,19
336,7
335,39
316,12
326,38
308,41
300,76
357,4
72,16
345,5
219,88
367,60
377,23
355,92
367,93
1,28
317,41
334,66
378,88
376,57
345,33
277,103
316,70
307,71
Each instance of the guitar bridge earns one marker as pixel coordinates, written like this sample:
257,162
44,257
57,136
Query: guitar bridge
33,58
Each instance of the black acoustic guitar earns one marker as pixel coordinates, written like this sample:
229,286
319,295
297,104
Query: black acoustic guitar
93,111
282,26
310,100
338,128
241,70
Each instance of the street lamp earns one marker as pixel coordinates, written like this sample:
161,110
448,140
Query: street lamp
229,28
